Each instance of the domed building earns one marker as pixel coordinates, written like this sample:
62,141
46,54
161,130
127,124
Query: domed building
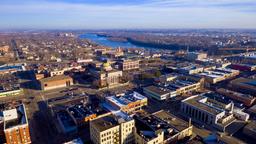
106,66
106,76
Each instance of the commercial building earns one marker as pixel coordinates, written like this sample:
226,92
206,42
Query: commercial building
112,53
115,128
9,85
217,75
178,86
196,56
82,114
157,93
4,49
129,103
12,68
62,70
208,111
129,64
244,67
75,141
55,82
250,130
66,123
245,85
190,69
250,57
246,99
16,127
165,78
161,127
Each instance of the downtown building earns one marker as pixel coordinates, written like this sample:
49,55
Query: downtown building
55,82
116,128
213,76
105,76
16,126
177,86
129,103
129,64
161,127
208,111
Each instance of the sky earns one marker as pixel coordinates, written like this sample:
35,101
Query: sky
127,14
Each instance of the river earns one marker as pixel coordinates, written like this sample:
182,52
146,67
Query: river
104,41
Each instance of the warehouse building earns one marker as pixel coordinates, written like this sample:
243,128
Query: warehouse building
55,82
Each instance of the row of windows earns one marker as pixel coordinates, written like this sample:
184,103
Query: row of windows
198,114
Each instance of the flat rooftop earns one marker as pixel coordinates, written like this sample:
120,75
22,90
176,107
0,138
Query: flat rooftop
149,124
245,82
110,121
66,120
202,102
126,99
178,83
219,72
15,117
158,90
251,126
55,78
105,122
80,111
172,120
237,94
9,82
12,67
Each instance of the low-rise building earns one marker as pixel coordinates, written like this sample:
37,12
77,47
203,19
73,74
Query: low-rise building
66,123
165,78
115,128
75,141
129,103
250,130
190,69
217,75
245,85
16,127
208,111
169,89
12,68
82,114
55,82
244,66
246,99
161,127
196,55
157,93
9,85
129,64
4,48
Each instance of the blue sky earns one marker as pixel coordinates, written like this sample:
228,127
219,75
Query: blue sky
108,14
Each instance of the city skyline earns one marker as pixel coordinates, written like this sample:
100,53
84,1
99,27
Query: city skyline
116,14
